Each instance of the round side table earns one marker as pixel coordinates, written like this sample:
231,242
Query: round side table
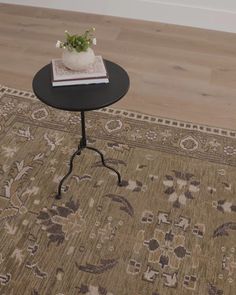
82,98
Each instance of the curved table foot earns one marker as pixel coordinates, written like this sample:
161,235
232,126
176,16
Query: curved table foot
58,195
78,152
105,165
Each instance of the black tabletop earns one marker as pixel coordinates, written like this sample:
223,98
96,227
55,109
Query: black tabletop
82,97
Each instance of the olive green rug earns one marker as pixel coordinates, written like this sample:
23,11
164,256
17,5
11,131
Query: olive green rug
169,230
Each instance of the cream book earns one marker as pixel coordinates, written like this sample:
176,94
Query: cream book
94,74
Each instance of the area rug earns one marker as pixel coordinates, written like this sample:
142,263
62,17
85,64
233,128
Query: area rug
169,230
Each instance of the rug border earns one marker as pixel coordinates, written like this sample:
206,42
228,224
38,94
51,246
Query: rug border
226,132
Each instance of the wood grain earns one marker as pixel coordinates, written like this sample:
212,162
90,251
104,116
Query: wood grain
177,72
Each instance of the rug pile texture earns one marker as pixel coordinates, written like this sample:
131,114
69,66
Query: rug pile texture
169,230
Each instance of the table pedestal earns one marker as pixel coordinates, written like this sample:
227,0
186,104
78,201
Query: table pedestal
83,145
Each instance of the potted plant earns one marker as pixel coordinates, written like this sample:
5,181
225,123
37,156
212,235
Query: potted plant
77,52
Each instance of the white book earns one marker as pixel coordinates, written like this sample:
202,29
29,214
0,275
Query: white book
94,74
80,82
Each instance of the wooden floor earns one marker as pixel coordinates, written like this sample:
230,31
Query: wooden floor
176,72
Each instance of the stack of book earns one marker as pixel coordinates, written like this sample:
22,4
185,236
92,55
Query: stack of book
95,74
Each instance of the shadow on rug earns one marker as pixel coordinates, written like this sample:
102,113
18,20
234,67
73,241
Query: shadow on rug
170,229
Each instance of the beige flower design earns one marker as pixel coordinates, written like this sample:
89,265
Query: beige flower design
230,150
180,188
189,144
113,125
166,248
71,225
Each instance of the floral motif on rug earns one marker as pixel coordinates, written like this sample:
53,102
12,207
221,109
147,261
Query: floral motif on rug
169,229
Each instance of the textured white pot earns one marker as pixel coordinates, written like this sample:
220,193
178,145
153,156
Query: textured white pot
78,60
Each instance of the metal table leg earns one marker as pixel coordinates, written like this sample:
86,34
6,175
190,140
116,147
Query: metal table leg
83,145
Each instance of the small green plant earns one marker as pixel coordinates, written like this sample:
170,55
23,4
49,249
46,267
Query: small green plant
76,42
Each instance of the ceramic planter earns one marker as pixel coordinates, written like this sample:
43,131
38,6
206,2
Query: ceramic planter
77,61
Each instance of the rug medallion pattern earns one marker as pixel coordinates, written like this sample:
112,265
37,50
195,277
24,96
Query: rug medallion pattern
170,229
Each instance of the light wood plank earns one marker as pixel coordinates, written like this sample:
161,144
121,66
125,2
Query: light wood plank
176,72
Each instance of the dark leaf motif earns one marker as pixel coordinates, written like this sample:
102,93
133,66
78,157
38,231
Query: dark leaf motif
164,260
220,208
52,211
125,204
176,204
55,229
153,177
221,202
58,239
43,215
181,175
111,144
178,174
169,190
226,184
73,205
180,252
212,290
195,182
155,293
55,232
105,261
188,176
139,183
104,266
188,195
102,291
34,292
211,190
83,289
233,208
169,177
64,211
223,230
137,189
141,166
124,183
47,222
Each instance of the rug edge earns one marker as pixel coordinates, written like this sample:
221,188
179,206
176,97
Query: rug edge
226,132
